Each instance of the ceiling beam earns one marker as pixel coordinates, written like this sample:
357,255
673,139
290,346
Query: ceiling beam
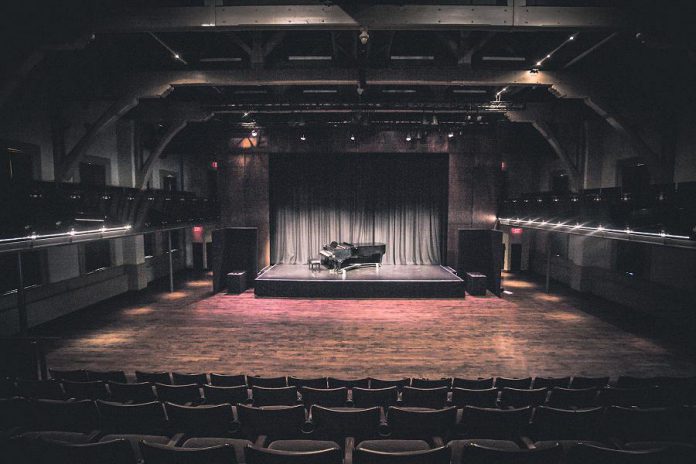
320,15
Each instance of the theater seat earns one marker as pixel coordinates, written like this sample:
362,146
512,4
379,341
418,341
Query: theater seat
440,455
141,392
480,454
206,442
301,446
456,446
103,452
394,446
155,453
583,454
230,395
256,455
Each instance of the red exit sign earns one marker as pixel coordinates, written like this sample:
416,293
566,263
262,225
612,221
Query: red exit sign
516,231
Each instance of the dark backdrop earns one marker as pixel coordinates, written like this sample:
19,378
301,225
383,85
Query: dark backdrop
400,200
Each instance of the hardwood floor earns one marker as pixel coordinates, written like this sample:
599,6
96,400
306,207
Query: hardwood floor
525,333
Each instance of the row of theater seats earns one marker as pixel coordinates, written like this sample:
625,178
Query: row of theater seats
216,389
55,431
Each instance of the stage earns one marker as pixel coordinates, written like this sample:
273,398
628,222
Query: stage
387,281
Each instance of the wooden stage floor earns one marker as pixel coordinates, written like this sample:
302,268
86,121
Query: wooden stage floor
525,333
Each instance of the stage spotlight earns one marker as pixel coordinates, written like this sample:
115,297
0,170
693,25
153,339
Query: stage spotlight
254,132
245,114
450,135
408,137
303,138
352,138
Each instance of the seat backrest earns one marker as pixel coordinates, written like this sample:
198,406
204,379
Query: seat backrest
154,453
473,384
550,382
179,394
348,383
231,395
91,390
153,377
508,382
431,383
141,392
319,382
107,376
329,397
421,424
147,418
627,397
107,452
628,381
587,382
76,375
487,398
369,397
187,379
8,388
584,453
200,421
275,422
75,416
480,454
336,425
256,455
565,398
519,398
502,424
435,398
380,383
565,424
267,382
15,412
223,380
639,424
441,455
282,396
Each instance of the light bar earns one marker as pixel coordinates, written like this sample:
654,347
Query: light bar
233,59
549,225
472,91
320,91
503,58
413,57
72,233
310,58
398,91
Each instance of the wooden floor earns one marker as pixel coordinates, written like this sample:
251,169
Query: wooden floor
525,333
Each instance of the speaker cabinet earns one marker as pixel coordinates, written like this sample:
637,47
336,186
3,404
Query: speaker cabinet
481,250
234,249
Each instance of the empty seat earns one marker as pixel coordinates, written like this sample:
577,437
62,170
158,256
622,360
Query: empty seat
116,451
421,424
487,398
222,380
639,397
431,383
201,421
624,425
434,398
141,392
519,398
550,382
188,379
481,454
369,397
267,382
319,382
15,414
364,455
473,384
283,396
238,444
258,455
153,377
155,453
586,453
43,389
75,375
497,424
70,421
588,382
550,425
328,397
107,376
627,381
348,383
457,447
144,418
379,383
92,390
569,398
273,423
179,394
220,395
339,424
506,382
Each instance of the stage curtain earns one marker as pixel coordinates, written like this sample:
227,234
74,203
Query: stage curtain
400,200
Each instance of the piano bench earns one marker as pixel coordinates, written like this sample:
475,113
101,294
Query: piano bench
315,264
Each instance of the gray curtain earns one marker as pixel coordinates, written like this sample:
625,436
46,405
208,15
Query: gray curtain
399,200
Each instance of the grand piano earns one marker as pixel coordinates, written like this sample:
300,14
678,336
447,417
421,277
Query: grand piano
346,256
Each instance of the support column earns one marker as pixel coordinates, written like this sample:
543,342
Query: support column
171,261
21,297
